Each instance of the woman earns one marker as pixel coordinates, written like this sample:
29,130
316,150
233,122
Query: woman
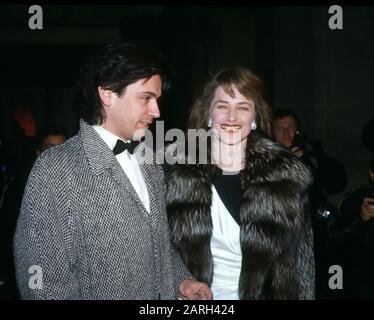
240,221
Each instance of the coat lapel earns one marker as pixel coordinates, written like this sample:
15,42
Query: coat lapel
101,158
124,183
146,162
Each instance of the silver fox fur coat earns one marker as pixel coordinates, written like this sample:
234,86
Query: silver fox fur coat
275,225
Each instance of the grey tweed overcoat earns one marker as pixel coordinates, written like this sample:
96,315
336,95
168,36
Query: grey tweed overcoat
83,232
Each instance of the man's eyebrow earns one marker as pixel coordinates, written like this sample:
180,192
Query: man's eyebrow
149,93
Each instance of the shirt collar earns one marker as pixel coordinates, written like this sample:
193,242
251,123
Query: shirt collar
109,137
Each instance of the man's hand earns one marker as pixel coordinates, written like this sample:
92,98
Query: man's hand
367,208
191,289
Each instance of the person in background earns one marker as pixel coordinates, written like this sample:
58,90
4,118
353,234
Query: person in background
50,135
16,154
352,231
329,177
329,173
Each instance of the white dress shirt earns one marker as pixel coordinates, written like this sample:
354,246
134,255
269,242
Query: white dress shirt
226,251
129,165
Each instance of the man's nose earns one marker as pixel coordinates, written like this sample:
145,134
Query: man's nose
154,110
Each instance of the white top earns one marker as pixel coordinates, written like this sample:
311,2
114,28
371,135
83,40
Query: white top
226,251
129,165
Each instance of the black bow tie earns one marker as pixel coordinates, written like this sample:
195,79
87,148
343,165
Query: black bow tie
122,146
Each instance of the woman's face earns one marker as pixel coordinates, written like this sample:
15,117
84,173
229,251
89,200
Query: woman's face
231,116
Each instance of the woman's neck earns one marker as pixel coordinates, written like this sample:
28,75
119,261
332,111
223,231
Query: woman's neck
228,157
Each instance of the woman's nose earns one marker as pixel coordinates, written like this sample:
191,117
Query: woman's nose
232,115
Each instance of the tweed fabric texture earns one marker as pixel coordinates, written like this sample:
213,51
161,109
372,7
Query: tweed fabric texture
83,224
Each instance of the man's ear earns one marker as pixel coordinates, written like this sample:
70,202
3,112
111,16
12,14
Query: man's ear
105,96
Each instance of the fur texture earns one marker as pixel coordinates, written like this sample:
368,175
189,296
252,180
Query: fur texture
275,232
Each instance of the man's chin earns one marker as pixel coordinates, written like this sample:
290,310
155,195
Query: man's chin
139,134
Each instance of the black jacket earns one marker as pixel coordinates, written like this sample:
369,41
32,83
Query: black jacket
353,244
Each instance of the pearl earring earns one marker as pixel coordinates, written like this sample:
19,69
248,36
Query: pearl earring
209,122
253,125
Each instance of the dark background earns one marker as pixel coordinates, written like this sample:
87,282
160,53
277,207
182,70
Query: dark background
326,75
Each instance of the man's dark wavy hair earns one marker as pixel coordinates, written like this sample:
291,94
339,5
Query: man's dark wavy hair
113,67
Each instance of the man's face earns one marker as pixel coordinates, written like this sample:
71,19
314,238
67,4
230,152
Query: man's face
128,115
285,130
232,116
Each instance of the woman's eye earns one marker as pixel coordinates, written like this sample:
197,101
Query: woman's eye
244,108
146,98
221,107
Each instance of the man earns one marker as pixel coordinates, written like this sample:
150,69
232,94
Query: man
287,132
93,222
329,173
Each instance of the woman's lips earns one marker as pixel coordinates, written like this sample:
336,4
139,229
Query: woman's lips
231,128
